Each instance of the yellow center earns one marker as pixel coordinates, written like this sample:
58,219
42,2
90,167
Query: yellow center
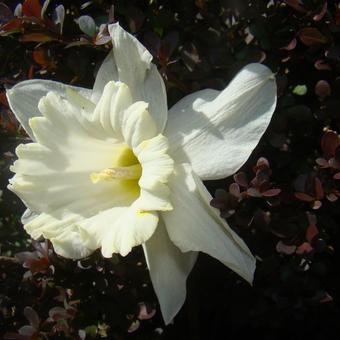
125,166
119,172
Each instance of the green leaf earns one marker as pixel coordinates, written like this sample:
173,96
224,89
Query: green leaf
91,330
87,25
300,90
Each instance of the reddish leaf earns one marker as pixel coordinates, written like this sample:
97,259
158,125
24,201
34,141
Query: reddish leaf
27,331
333,163
41,57
31,8
285,249
145,312
326,298
8,122
58,313
311,218
305,247
32,316
271,192
241,179
329,142
26,257
103,36
3,99
311,232
261,164
322,65
336,192
311,36
30,73
290,46
234,189
322,89
319,192
303,197
317,205
134,326
261,184
332,197
320,15
337,175
33,262
323,163
39,266
253,192
218,203
11,26
37,37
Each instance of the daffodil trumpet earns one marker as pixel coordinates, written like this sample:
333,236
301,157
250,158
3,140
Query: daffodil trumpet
111,168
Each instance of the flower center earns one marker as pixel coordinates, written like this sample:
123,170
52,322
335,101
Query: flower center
119,172
125,166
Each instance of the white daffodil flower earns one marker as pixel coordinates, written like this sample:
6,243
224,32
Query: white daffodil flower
112,169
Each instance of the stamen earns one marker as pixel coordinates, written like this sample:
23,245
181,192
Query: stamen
121,172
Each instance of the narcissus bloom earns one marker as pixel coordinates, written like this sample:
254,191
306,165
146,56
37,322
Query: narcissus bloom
111,168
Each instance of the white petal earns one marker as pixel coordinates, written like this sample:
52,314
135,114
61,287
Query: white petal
106,73
156,163
195,226
116,98
28,216
217,133
57,172
157,167
24,97
63,234
119,229
156,198
137,125
169,269
131,64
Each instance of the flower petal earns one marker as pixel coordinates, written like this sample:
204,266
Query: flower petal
169,269
217,133
24,97
157,167
137,125
156,163
56,172
116,98
28,216
195,226
63,234
131,64
119,229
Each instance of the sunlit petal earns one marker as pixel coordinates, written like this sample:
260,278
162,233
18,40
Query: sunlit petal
195,226
24,97
131,64
216,133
